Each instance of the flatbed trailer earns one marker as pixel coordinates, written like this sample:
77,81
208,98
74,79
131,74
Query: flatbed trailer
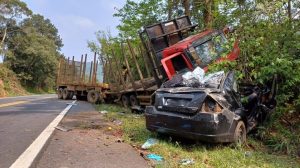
79,79
144,70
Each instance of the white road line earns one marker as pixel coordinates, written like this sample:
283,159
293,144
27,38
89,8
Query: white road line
27,158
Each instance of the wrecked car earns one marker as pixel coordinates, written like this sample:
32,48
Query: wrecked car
216,110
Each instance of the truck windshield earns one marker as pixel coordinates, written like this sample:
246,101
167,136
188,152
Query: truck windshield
211,49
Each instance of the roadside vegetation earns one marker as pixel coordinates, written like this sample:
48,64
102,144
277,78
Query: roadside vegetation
173,150
30,48
9,83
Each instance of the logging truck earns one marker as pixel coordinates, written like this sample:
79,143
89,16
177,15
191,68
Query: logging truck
130,78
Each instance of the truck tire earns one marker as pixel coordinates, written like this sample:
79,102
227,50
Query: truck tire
71,94
240,133
134,101
60,93
93,96
66,94
125,101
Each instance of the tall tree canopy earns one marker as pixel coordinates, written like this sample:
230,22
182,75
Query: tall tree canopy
33,52
10,12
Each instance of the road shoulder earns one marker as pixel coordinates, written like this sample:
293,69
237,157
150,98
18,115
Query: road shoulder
88,143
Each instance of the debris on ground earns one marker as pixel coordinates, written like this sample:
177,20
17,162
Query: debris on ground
119,140
150,142
117,122
137,116
137,109
61,128
104,112
187,161
248,154
154,157
109,128
121,113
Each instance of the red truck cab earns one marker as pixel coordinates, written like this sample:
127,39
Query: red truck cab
197,50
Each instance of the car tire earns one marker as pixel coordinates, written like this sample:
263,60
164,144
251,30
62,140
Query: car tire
125,101
60,93
93,96
240,133
134,101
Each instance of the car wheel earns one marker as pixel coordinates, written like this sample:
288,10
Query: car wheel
60,93
93,96
240,133
134,101
125,101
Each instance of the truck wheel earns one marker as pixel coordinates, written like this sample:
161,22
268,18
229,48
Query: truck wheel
93,96
60,93
71,94
125,101
134,101
66,94
240,133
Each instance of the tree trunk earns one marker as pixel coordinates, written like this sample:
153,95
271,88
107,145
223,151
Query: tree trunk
186,5
208,18
3,38
289,10
170,9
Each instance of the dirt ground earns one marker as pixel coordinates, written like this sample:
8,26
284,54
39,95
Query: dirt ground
90,142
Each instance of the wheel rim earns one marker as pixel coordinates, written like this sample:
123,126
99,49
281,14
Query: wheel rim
133,101
125,101
240,138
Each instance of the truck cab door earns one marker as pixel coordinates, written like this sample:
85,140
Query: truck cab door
175,64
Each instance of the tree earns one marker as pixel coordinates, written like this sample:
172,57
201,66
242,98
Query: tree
135,15
10,11
44,27
33,53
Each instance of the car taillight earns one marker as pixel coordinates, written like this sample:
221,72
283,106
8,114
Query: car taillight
210,105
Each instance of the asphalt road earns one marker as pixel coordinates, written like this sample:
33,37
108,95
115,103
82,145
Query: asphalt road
22,119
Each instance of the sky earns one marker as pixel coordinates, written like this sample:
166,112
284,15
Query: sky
78,20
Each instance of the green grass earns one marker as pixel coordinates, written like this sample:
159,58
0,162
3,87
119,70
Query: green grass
204,155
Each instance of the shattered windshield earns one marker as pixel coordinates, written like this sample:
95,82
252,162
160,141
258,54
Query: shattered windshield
211,49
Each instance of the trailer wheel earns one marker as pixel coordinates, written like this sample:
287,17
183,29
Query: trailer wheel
60,93
93,96
66,94
71,94
240,133
125,101
134,101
